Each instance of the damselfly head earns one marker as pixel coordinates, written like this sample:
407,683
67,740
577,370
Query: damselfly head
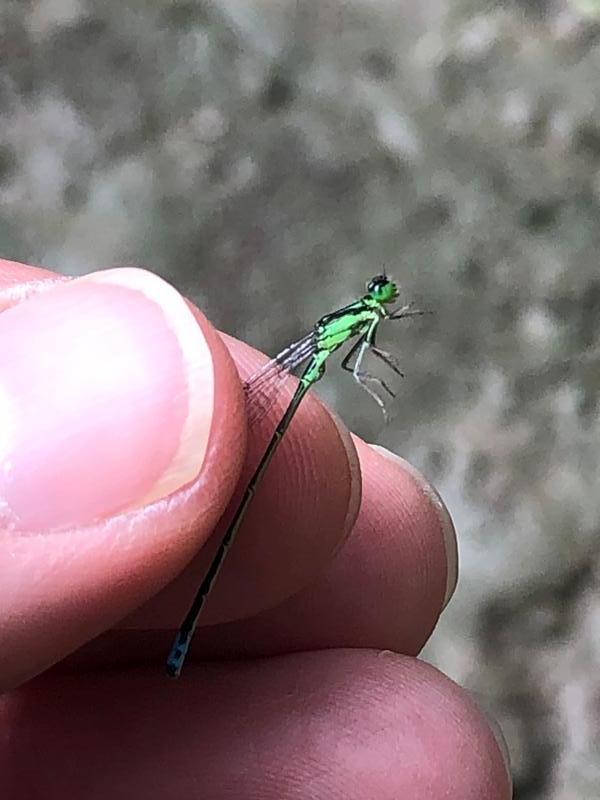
382,289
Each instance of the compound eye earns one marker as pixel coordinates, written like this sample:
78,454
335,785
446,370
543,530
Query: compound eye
376,284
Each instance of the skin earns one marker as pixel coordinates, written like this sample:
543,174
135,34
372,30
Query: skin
306,683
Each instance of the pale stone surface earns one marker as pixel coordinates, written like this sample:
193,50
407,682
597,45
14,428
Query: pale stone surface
268,158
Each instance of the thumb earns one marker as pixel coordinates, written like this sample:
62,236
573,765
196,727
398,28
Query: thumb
120,409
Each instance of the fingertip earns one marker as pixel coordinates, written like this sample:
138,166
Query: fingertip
467,747
108,382
439,516
127,435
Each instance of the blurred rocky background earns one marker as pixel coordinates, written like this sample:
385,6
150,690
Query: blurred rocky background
268,157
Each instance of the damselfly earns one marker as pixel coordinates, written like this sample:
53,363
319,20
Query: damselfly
359,320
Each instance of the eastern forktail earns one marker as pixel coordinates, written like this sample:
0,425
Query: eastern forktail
359,319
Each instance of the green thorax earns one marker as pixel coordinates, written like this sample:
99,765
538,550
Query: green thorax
356,319
334,329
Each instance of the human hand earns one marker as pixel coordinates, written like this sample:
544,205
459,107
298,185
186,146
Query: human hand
123,440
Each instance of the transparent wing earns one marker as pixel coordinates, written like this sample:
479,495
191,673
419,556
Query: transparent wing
261,388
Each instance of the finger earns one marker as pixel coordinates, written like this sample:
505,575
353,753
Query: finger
303,509
19,281
386,587
123,434
350,724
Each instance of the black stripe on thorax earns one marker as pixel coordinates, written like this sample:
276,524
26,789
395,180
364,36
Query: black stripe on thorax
357,306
